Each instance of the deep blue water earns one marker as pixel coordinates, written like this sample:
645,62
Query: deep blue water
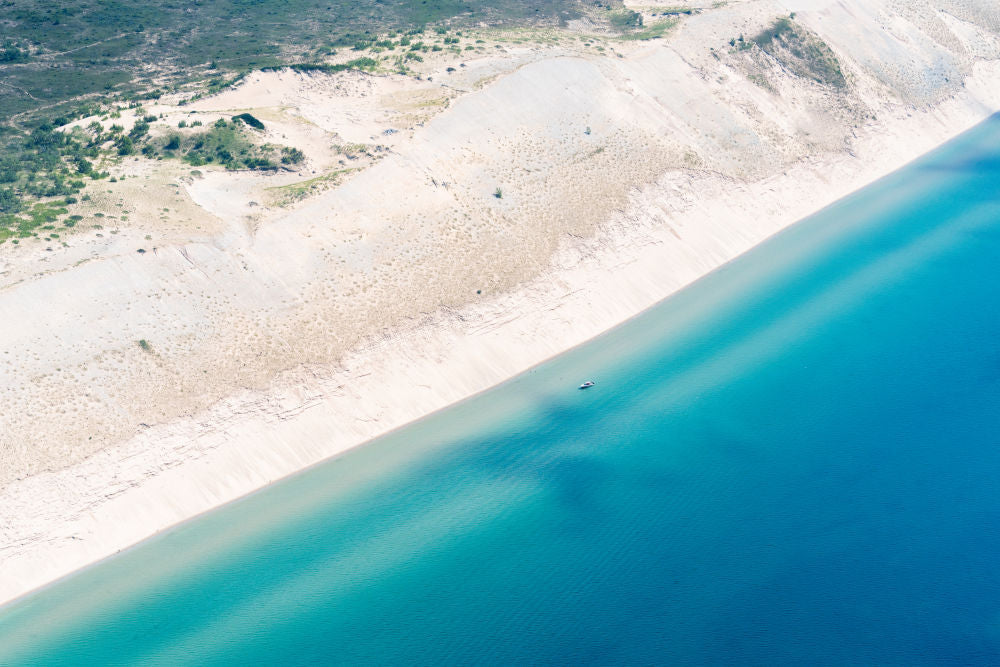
794,462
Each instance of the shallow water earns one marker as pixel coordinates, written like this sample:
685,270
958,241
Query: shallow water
794,461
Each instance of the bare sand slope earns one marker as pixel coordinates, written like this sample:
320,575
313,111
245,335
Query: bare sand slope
514,208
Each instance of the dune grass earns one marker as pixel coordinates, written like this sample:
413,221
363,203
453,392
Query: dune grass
64,61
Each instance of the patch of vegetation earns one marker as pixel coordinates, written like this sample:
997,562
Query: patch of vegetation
801,52
24,223
12,53
677,11
625,19
289,194
42,165
227,144
365,64
250,120
291,155
654,31
63,61
93,47
762,81
631,25
49,166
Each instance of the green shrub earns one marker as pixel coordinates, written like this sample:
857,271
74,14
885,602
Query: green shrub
125,146
12,54
9,201
291,155
8,171
249,120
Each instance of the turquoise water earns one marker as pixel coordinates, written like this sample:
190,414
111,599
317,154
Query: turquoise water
794,462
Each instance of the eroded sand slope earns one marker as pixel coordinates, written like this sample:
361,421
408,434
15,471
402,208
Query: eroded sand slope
284,326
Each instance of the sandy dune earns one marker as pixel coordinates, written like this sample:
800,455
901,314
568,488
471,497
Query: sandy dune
285,324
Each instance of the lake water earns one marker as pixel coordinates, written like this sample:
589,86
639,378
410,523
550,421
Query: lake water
796,461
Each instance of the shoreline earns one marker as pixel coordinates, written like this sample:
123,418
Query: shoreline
672,232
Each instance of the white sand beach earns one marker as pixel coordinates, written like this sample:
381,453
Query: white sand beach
286,318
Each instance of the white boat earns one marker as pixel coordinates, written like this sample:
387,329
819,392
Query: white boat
587,384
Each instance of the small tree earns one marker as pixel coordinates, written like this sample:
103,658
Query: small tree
9,202
125,146
139,130
83,165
